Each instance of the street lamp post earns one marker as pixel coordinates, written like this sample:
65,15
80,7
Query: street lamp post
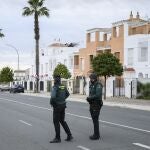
16,51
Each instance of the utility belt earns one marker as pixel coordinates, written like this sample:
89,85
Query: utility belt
60,106
96,105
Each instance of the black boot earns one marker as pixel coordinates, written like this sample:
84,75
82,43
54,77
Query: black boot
94,137
55,140
69,138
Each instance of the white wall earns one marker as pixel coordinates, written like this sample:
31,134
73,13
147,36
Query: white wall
133,42
56,55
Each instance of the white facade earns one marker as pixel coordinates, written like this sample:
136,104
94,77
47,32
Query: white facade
49,58
137,53
137,58
52,56
19,76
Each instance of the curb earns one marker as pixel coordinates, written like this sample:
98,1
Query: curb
106,103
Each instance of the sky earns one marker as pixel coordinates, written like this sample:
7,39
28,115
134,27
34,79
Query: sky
68,21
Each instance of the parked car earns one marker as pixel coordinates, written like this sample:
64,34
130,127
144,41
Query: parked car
17,89
4,88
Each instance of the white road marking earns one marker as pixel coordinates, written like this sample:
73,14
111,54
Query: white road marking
3,99
142,145
79,116
111,123
25,122
82,147
124,126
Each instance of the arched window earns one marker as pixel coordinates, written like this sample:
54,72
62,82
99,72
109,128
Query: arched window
140,75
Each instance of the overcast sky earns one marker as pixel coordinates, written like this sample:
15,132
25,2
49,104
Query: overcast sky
69,20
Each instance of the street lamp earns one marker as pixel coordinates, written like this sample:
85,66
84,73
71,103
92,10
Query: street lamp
16,51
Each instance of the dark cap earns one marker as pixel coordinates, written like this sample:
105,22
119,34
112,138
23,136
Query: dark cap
93,76
57,76
57,79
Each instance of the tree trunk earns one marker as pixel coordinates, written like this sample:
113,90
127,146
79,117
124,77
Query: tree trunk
36,30
105,88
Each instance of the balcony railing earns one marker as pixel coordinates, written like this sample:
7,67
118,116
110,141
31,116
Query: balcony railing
103,48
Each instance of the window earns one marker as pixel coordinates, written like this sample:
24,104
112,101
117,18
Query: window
54,63
101,36
82,64
41,68
32,69
117,54
76,62
65,62
117,31
146,75
54,51
91,59
46,67
70,61
140,75
50,65
108,36
92,37
130,56
143,52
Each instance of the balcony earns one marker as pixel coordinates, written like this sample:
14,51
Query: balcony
107,47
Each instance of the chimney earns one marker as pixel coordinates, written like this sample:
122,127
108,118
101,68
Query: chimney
137,15
131,15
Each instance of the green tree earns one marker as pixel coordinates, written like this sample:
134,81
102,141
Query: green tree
37,9
1,34
62,71
107,65
6,75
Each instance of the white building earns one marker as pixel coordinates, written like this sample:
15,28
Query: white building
137,51
19,76
49,58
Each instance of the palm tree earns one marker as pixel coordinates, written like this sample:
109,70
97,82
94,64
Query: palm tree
1,34
36,8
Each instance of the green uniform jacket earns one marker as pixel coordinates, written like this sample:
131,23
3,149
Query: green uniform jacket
58,95
95,94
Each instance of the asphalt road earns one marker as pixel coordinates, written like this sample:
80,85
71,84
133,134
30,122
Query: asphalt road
26,124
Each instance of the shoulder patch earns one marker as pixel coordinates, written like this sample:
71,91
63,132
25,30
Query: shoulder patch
62,87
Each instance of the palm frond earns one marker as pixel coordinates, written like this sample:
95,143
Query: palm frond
1,34
43,12
27,11
41,2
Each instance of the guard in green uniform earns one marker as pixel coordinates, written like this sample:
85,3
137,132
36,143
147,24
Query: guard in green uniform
58,96
95,102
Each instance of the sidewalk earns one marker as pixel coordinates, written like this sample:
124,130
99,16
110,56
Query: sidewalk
119,102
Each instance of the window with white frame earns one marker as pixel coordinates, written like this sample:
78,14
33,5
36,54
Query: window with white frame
92,36
140,75
81,64
54,63
108,36
117,31
70,62
32,69
101,36
130,56
41,68
46,67
54,51
65,62
143,51
50,65
146,75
